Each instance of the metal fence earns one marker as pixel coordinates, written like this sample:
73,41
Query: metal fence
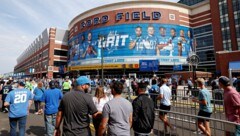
183,103
183,114
186,125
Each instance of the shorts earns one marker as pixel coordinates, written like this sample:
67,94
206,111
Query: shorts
164,107
204,114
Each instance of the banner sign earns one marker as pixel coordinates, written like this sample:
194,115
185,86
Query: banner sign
148,65
163,41
177,67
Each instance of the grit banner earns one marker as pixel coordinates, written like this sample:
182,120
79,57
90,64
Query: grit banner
155,41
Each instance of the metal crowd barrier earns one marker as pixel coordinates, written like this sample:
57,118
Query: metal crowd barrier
186,125
184,104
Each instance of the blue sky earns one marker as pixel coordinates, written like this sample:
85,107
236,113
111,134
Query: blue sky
21,21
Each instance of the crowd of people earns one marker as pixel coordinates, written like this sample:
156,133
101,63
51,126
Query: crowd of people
68,101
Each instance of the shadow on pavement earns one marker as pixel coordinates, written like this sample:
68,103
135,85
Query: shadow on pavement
4,133
36,131
161,133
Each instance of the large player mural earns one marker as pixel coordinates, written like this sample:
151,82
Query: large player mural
131,40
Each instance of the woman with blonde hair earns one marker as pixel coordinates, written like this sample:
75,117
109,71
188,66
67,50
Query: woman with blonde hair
99,101
38,93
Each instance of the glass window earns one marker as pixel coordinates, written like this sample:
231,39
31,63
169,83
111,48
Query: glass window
60,52
59,63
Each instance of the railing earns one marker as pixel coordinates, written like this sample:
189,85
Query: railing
186,125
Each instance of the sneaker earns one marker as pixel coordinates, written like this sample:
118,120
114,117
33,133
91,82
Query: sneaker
36,113
6,109
198,132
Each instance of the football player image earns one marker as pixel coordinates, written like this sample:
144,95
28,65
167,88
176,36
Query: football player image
182,51
81,46
137,42
88,46
189,43
162,47
173,41
151,41
75,50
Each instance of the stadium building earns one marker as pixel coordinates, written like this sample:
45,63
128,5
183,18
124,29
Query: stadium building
142,37
45,57
131,35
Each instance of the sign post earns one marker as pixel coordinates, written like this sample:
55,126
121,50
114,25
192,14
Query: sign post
194,61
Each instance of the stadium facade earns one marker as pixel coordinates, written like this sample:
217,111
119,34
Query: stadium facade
124,36
126,33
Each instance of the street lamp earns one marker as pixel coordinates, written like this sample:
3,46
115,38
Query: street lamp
102,42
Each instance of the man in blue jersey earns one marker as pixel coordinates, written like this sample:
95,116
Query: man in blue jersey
182,50
163,49
173,41
189,43
137,42
151,41
5,90
89,47
50,99
19,101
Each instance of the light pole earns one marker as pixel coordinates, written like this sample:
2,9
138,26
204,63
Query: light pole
102,41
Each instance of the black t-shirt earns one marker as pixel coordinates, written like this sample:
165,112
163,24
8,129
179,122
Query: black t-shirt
76,107
5,90
143,114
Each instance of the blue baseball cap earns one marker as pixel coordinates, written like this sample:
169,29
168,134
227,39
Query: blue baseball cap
83,80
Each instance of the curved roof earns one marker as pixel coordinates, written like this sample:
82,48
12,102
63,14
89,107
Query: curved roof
130,4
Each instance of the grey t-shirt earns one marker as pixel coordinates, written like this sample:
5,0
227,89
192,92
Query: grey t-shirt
118,111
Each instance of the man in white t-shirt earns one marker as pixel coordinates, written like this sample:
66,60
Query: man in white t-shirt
165,103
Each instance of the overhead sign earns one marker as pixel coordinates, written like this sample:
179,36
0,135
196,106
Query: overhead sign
177,67
234,65
148,65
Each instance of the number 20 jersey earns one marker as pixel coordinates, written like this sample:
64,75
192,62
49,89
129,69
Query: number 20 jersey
18,100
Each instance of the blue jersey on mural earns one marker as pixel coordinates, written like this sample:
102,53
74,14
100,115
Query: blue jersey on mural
174,42
138,45
151,44
89,49
165,48
75,52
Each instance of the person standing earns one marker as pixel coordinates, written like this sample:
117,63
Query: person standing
143,112
100,99
205,109
66,86
5,90
174,89
50,100
154,92
190,85
20,101
231,102
38,93
165,103
74,110
117,113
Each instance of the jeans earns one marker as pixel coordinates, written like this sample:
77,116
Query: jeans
37,105
50,122
21,121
